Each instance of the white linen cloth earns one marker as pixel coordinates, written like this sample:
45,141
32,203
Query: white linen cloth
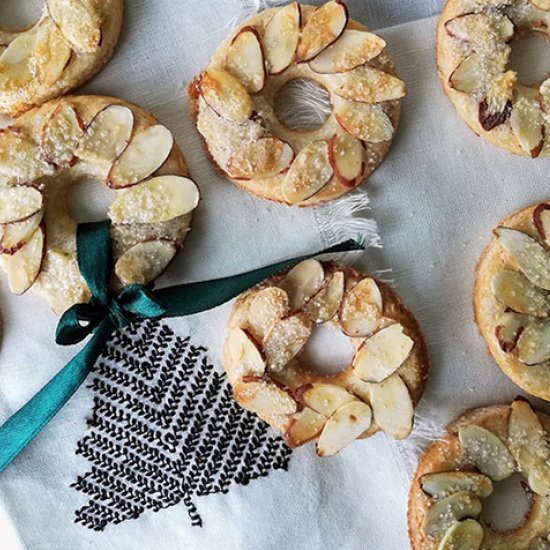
435,199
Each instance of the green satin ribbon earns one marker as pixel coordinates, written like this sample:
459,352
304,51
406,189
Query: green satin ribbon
105,313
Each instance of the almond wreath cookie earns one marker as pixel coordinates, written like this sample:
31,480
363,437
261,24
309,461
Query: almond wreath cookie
70,43
271,324
512,302
233,103
473,51
457,473
83,139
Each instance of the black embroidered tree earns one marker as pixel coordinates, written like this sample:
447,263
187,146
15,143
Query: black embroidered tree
165,429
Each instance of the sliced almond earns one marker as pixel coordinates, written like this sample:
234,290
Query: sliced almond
286,340
52,53
534,343
263,397
19,203
543,5
346,155
361,309
107,135
496,108
322,29
245,59
326,303
382,354
308,174
267,307
541,220
156,200
263,158
464,535
302,282
304,427
24,267
281,37
481,29
244,355
489,454
16,63
509,328
527,123
326,398
539,543
392,407
444,484
145,261
544,96
20,158
225,95
476,73
443,513
365,121
530,256
79,21
528,442
370,85
515,291
344,427
60,135
145,154
353,49
15,235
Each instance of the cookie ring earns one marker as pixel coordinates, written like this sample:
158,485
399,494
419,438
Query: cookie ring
511,301
269,328
89,138
233,104
473,51
69,44
457,472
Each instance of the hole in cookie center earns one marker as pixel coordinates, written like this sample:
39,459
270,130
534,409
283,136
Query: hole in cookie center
89,201
530,59
302,104
16,14
328,351
507,507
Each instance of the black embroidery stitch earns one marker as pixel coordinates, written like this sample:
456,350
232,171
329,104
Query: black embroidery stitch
165,429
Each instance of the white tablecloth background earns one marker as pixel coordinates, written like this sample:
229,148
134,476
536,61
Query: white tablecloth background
435,199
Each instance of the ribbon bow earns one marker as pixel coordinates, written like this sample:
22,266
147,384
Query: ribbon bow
105,313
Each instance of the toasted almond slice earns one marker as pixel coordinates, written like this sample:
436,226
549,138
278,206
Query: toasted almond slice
263,397
365,121
302,282
13,236
489,454
443,513
496,108
281,37
544,96
353,49
244,355
477,73
382,354
60,135
245,59
326,303
308,174
326,398
530,256
304,427
286,340
392,407
539,543
20,158
529,445
322,29
515,290
361,309
444,484
16,63
19,203
346,155
145,261
370,85
534,343
527,122
463,535
263,158
481,29
107,135
543,5
145,154
24,267
225,95
79,21
52,53
509,328
267,307
541,220
156,200
344,427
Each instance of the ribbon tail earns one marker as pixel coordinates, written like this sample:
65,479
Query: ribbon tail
22,427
